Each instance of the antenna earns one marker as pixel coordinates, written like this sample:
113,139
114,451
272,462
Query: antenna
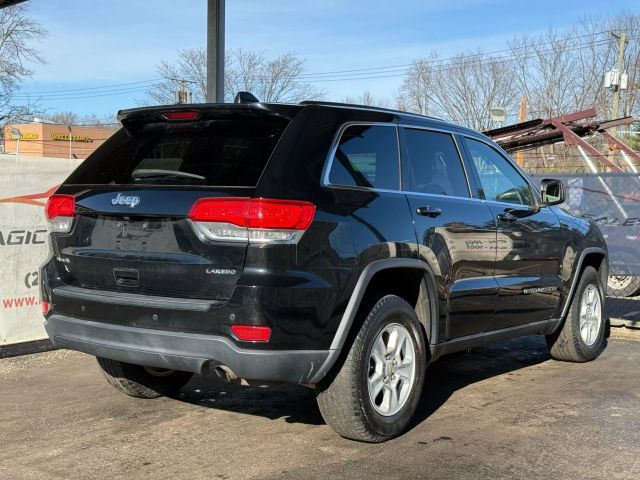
245,97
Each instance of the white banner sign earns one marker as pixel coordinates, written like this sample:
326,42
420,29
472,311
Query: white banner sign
25,185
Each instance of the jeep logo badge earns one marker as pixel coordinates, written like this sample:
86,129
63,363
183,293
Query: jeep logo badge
129,200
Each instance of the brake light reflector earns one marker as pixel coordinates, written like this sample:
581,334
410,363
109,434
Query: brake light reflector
252,219
251,333
59,211
180,115
45,307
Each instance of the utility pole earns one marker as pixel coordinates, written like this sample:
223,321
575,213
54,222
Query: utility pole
17,134
616,80
215,51
182,95
521,118
70,155
619,64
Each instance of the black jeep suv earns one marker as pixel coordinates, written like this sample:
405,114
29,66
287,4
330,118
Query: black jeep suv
335,246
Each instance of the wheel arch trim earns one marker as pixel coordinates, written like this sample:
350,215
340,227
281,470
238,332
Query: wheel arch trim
576,276
355,301
361,287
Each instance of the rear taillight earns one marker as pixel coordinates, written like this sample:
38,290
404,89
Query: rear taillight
59,211
253,220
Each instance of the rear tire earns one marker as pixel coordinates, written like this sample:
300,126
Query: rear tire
375,392
142,382
582,336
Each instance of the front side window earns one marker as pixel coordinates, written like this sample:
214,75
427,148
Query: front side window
367,156
499,180
434,163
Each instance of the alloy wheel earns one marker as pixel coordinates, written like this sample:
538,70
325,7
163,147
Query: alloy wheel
392,369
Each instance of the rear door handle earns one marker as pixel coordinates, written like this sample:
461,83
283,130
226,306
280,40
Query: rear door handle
428,211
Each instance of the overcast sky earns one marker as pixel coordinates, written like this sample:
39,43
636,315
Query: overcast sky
95,44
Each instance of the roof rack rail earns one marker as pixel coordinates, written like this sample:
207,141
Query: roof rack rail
366,107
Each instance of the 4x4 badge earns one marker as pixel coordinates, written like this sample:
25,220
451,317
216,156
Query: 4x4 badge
129,200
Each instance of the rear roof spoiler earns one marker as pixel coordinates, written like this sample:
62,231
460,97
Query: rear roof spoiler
157,114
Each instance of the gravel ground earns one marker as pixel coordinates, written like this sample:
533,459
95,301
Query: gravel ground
502,412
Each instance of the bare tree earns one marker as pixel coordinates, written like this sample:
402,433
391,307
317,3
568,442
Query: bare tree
558,72
94,120
593,53
18,34
461,89
630,24
415,94
276,80
469,86
368,98
190,67
72,118
65,118
271,80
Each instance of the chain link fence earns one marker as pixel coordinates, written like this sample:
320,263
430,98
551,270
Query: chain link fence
612,201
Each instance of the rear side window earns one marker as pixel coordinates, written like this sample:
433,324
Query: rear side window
434,163
213,153
367,156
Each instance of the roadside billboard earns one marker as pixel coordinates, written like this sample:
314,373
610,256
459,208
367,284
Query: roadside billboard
25,185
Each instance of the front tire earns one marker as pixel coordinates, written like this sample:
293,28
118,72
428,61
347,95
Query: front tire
375,393
582,336
142,382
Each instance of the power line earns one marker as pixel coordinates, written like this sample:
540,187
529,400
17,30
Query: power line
336,75
95,88
449,67
445,63
442,60
398,72
70,96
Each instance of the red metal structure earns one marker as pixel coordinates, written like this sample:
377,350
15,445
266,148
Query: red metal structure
571,129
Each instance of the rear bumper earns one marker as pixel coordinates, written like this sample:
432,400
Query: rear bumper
185,351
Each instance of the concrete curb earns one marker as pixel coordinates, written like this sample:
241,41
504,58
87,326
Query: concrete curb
623,322
26,348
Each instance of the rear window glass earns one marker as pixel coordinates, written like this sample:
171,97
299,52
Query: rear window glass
367,156
212,153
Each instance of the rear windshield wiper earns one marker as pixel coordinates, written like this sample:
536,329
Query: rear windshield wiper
159,173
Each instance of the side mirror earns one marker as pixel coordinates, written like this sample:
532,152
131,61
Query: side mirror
552,191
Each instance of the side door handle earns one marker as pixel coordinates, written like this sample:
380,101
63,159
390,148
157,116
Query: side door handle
507,217
428,211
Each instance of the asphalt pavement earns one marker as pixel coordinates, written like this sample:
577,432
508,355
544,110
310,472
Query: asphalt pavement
502,412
